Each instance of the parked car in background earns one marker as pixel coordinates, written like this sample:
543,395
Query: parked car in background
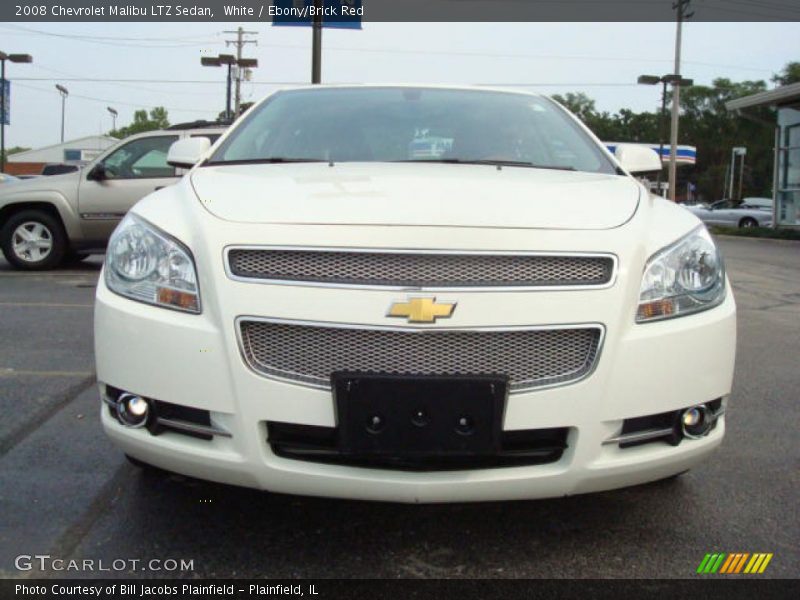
5,178
72,215
752,212
756,202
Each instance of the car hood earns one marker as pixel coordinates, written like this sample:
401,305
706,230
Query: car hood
415,195
65,182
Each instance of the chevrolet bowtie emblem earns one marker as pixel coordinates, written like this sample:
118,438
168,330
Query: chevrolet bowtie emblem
421,310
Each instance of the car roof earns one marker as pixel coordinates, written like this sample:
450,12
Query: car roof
428,86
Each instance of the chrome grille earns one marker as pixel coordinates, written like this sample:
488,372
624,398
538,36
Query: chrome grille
309,354
420,269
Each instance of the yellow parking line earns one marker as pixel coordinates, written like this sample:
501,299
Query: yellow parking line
7,372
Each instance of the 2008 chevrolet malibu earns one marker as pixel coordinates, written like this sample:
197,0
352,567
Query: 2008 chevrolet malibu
414,294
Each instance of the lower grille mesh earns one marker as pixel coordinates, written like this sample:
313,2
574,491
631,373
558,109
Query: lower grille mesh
310,354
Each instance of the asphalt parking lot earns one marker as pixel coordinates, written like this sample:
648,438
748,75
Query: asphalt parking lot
65,491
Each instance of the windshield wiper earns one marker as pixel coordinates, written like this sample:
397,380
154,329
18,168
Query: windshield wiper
262,161
486,161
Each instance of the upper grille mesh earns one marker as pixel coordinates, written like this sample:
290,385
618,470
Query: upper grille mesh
310,354
420,270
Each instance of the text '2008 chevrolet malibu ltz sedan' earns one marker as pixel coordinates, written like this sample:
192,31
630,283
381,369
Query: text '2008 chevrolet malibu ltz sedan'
414,294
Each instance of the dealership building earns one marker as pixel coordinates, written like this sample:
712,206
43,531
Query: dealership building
74,152
786,178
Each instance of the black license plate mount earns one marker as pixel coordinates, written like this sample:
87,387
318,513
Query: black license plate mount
408,416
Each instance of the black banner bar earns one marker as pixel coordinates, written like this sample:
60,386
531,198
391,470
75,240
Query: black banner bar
460,589
264,11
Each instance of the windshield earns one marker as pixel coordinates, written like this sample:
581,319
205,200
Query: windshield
412,124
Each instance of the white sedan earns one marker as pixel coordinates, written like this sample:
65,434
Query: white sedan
750,212
414,294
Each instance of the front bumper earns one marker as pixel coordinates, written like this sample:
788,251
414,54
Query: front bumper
194,361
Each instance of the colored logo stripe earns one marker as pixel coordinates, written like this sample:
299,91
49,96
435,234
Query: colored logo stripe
734,563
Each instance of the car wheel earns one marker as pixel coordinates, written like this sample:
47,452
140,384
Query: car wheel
33,240
748,222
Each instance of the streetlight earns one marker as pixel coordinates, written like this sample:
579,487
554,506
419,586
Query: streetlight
64,93
114,114
5,93
675,80
230,61
218,61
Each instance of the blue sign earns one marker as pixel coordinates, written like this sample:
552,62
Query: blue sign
5,117
338,14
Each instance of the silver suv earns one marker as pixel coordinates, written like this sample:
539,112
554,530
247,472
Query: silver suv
47,220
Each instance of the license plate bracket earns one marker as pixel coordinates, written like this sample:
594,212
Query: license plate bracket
413,416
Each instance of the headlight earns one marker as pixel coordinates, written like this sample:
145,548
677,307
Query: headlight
145,264
683,278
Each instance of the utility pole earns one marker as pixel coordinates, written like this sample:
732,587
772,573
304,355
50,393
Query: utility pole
681,6
316,43
241,63
4,97
64,93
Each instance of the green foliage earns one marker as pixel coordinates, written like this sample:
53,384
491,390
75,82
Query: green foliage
14,150
789,74
706,124
243,108
157,119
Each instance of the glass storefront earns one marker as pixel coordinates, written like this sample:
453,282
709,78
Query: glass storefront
788,192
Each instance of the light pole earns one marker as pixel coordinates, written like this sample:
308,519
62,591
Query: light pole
64,93
5,88
229,60
675,80
114,114
737,151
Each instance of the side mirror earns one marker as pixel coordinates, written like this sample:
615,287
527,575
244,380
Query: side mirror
186,152
98,172
637,159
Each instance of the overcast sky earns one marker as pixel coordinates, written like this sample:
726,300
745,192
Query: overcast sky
602,60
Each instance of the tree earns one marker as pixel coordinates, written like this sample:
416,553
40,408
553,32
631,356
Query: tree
708,125
157,119
705,124
578,104
14,150
243,108
789,74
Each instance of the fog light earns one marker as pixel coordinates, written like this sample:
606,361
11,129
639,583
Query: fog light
132,410
696,421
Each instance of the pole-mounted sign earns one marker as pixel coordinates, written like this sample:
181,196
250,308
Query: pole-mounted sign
338,14
5,105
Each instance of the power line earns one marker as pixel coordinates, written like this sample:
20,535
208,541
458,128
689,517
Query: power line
112,101
117,41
